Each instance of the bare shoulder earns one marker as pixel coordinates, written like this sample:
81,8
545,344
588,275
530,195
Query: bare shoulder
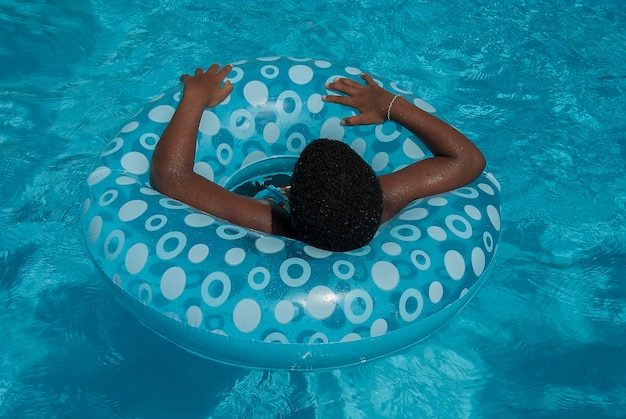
424,178
397,193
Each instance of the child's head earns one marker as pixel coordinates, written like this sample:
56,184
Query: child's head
336,199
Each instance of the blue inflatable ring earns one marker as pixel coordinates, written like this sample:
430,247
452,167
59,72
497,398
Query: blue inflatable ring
244,298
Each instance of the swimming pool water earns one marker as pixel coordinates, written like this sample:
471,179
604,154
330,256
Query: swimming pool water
539,86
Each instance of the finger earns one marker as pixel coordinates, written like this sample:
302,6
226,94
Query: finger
225,70
198,72
342,100
184,77
361,119
349,82
213,68
352,120
344,85
368,79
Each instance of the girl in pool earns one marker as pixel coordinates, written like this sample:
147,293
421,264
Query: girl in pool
335,201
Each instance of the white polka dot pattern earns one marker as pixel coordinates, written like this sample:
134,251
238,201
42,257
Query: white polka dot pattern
245,298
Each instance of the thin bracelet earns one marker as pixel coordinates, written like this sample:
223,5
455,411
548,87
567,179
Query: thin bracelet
390,105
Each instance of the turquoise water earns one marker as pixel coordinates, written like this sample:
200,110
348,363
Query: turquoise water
539,86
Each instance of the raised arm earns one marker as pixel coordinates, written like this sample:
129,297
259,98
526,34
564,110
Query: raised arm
171,171
456,162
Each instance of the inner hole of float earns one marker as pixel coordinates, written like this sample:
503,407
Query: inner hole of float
257,176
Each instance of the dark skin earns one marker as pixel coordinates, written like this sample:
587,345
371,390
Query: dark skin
456,160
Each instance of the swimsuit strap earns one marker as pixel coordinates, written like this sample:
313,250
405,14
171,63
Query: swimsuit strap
276,195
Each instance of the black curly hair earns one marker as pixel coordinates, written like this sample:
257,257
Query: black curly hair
336,199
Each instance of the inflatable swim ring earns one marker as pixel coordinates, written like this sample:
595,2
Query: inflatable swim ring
250,299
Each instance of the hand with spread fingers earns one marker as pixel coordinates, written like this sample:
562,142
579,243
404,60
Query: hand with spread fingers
208,87
370,99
